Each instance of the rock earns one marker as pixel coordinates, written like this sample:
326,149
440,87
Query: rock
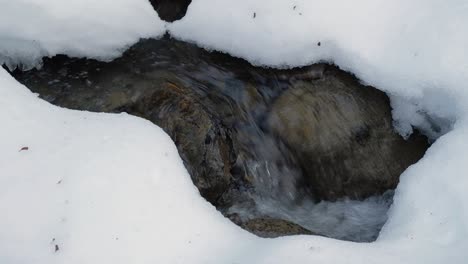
204,145
341,131
170,10
271,228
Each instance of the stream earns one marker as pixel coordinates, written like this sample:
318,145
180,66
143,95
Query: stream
278,151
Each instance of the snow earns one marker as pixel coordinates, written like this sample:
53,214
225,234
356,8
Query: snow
32,29
112,189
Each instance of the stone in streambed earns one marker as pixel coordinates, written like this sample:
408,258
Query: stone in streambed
270,227
341,132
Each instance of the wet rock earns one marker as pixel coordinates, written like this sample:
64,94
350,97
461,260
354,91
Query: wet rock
341,131
204,145
170,10
269,227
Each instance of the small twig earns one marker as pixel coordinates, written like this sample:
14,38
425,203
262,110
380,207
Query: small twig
23,149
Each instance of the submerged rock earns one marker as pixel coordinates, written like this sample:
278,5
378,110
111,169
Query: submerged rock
247,135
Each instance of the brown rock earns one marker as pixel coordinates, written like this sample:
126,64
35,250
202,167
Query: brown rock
202,143
270,228
341,131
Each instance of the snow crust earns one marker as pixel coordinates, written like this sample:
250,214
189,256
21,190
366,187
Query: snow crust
112,189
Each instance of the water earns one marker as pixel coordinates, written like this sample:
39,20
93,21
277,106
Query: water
345,219
220,111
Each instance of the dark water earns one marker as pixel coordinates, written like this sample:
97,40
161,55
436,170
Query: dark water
240,131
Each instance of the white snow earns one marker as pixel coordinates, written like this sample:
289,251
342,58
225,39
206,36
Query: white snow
112,188
31,29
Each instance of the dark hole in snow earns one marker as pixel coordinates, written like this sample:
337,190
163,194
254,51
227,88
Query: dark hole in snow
170,10
280,152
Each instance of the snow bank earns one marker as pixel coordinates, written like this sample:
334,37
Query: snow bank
112,189
32,29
